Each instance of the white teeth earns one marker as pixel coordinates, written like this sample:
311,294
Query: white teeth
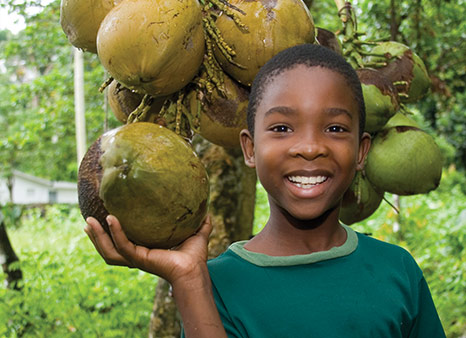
305,181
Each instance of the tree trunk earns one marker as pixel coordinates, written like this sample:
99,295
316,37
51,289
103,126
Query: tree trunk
232,201
7,257
9,184
394,24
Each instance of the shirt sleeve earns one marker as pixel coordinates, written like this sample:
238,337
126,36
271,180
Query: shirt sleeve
230,328
427,322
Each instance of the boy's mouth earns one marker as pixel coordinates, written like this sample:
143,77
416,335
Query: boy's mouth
307,181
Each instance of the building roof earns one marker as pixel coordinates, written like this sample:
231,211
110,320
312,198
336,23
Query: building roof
32,178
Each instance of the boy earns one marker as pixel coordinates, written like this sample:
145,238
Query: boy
304,274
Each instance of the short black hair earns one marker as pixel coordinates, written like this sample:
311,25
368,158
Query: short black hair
309,55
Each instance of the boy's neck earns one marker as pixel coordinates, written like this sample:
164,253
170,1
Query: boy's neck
284,235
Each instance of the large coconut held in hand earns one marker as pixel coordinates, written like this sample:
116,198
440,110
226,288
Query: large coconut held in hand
151,46
150,179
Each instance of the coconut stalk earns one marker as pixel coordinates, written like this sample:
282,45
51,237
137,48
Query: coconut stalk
341,4
105,106
347,17
352,45
397,205
352,50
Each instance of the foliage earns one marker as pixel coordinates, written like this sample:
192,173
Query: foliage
67,289
433,229
36,98
11,214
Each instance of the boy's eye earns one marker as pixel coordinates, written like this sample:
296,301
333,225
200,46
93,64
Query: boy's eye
281,129
336,129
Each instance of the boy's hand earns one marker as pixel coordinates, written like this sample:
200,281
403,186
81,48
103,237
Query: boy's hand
184,267
180,262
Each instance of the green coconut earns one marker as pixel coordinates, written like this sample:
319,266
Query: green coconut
150,179
404,68
124,101
152,46
400,119
404,160
328,39
360,201
81,19
380,98
272,26
221,115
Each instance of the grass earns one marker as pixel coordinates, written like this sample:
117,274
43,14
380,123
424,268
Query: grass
67,288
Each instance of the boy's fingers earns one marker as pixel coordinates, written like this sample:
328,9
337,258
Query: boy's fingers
118,236
206,227
135,255
103,243
88,231
125,247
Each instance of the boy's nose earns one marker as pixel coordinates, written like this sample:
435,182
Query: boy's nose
308,147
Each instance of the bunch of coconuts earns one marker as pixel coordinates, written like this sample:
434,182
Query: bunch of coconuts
403,159
177,68
184,67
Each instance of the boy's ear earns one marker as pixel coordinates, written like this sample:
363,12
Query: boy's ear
364,146
247,145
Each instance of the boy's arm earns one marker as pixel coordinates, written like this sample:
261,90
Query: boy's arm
197,308
185,268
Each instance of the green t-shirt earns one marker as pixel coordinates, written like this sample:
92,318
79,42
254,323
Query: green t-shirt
364,288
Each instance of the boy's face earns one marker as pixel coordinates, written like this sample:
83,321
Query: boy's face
306,147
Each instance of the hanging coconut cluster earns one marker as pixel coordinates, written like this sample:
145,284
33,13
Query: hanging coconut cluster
177,68
184,67
403,159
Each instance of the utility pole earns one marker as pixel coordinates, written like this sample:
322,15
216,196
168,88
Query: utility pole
80,120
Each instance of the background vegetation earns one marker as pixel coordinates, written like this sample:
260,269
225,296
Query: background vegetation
68,290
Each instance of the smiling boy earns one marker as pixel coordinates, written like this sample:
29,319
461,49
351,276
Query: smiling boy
304,274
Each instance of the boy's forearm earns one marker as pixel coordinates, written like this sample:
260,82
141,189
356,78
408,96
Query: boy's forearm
197,308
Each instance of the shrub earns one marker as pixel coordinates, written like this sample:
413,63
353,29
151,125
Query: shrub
67,288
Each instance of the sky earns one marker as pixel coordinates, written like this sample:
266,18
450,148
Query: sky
14,22
10,21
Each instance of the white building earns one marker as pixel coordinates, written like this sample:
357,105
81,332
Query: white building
28,189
